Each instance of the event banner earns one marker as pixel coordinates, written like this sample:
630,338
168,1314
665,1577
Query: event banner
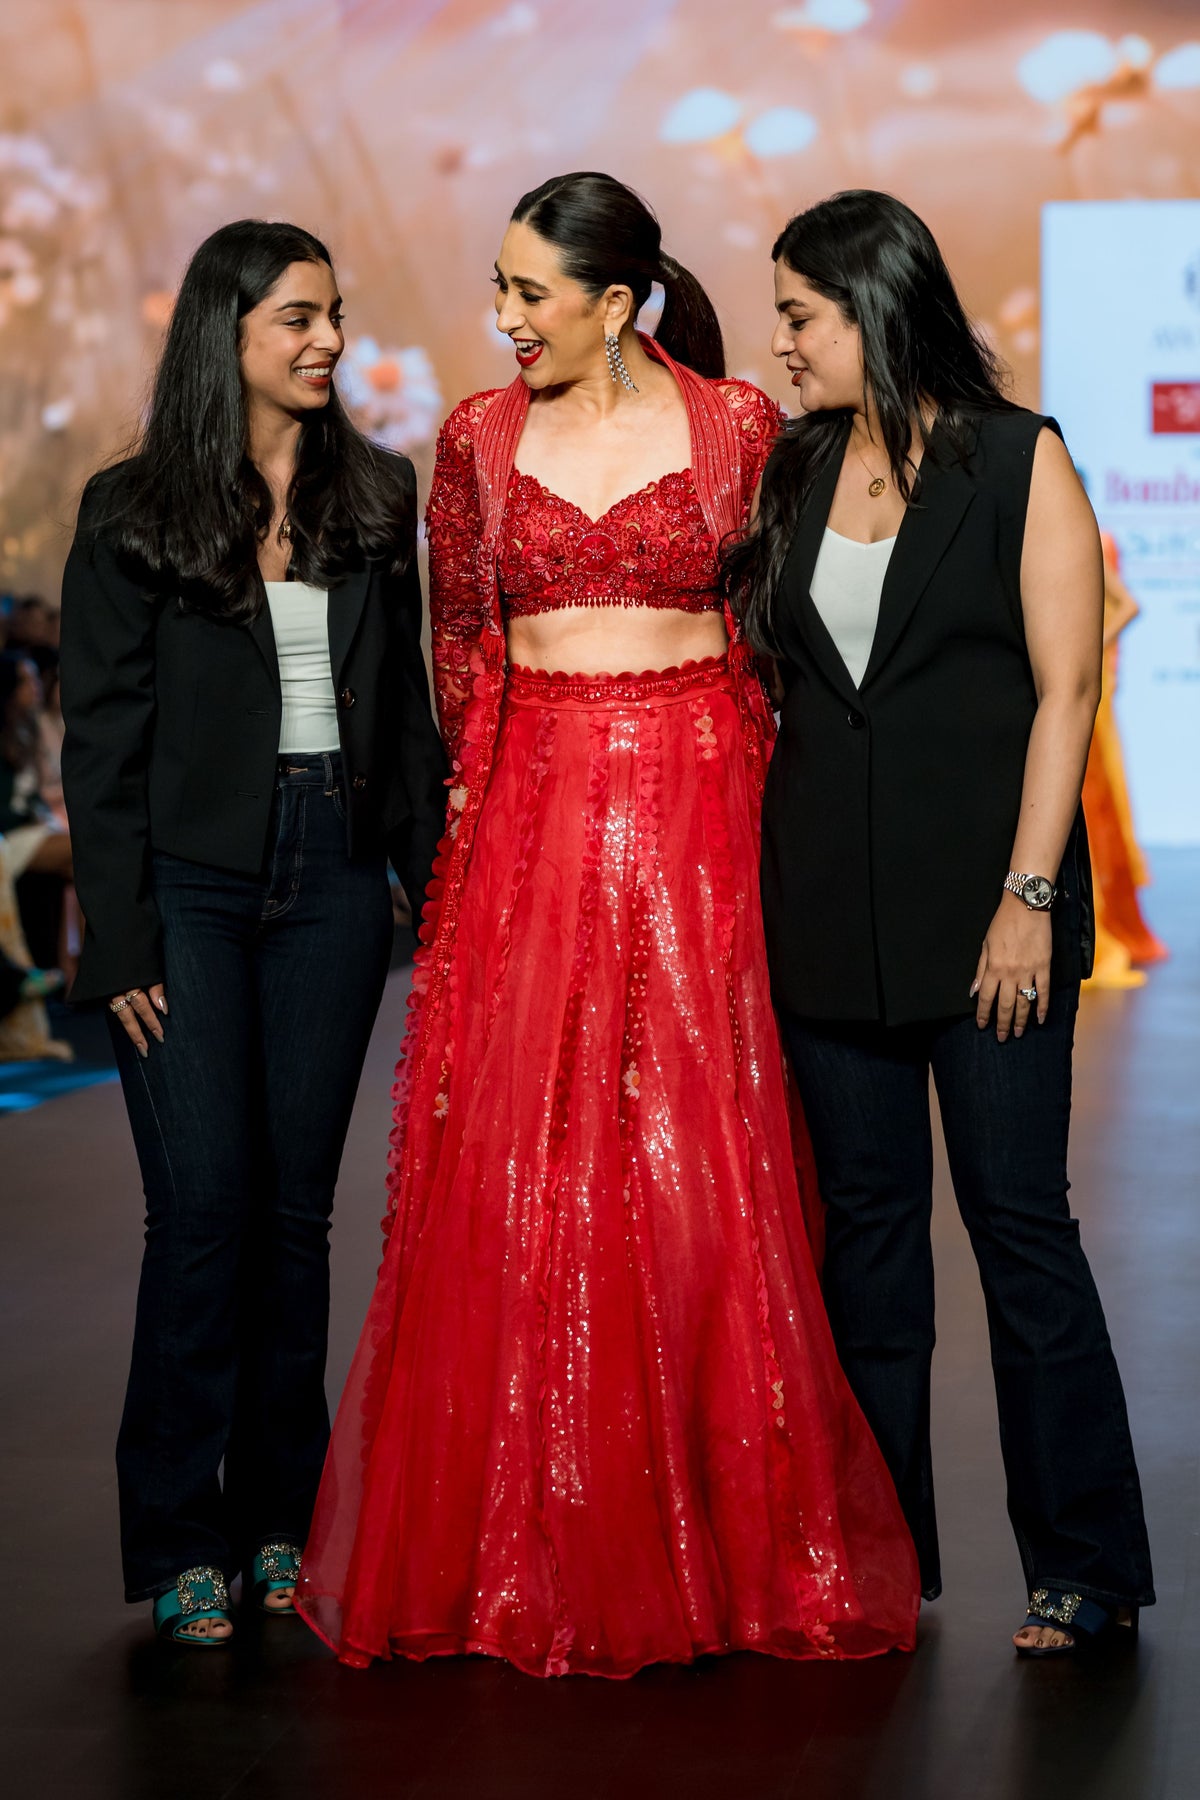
1121,373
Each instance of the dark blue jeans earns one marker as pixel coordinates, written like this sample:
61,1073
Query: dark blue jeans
1073,1492
239,1118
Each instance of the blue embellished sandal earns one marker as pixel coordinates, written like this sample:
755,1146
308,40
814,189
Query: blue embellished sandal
277,1566
198,1593
1086,1621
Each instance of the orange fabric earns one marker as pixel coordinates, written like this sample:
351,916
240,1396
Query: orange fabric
1118,866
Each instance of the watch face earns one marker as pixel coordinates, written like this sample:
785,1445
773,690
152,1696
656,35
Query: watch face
1037,892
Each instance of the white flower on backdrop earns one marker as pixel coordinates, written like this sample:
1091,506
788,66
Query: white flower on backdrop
1069,60
1179,69
394,395
780,131
836,16
699,116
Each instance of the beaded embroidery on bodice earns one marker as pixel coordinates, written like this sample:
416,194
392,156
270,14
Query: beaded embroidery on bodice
651,548
733,426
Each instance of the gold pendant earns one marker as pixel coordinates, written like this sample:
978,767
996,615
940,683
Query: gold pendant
877,487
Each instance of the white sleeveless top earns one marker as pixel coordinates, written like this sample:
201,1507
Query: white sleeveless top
299,619
846,586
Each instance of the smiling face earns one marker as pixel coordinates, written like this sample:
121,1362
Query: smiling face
821,349
556,330
290,342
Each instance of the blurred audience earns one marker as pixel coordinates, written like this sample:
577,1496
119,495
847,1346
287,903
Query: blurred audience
51,728
33,630
35,846
36,840
24,989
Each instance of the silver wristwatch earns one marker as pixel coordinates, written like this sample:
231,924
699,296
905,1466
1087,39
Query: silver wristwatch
1037,893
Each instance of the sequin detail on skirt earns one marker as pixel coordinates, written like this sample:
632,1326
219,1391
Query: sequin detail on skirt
595,1419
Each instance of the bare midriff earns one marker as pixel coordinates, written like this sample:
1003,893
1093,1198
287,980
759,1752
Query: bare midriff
613,640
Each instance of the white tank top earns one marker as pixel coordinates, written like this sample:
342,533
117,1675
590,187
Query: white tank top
846,586
299,619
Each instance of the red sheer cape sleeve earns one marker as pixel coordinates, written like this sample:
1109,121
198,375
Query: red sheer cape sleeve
758,420
459,600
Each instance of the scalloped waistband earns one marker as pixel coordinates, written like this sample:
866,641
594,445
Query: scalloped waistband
627,688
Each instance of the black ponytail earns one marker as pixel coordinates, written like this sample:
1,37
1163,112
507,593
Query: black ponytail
689,329
607,235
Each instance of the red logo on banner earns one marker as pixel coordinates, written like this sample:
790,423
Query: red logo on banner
1175,406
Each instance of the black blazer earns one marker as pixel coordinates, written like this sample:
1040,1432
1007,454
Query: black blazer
890,810
172,735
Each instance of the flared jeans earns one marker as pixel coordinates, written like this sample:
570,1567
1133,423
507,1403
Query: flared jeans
239,1119
1073,1493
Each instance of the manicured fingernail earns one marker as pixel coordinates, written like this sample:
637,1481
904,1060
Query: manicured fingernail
159,1036
1018,1031
143,1049
161,1003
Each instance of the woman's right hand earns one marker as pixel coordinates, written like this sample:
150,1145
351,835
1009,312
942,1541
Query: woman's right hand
140,1011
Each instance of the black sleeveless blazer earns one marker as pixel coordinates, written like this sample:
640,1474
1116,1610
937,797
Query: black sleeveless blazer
890,809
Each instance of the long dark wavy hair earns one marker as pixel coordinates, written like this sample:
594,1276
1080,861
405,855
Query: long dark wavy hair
605,235
189,505
878,262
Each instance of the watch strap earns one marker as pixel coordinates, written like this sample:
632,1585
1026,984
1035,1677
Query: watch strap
1015,882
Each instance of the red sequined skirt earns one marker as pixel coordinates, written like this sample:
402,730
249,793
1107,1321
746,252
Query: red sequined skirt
595,1420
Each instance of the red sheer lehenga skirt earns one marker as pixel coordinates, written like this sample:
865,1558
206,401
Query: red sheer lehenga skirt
595,1419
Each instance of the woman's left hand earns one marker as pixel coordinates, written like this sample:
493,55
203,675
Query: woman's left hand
1015,955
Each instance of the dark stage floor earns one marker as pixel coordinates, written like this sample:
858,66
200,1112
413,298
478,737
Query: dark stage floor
94,1710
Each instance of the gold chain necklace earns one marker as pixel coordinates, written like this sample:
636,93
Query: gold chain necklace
877,485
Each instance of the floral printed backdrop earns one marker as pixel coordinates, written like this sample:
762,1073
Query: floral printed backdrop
401,131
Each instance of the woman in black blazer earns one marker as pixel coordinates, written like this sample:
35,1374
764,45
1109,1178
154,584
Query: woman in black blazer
927,571
248,740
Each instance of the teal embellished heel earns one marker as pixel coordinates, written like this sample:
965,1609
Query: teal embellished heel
198,1593
277,1566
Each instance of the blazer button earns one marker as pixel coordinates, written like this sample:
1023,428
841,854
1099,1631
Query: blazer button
360,781
347,696
855,720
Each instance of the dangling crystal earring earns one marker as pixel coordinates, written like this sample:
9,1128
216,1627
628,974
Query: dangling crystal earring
616,363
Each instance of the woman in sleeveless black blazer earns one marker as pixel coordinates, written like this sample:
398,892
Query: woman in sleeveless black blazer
926,887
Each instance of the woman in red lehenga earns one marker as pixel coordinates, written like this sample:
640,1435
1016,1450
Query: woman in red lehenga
595,1420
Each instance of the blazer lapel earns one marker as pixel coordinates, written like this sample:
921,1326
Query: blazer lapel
943,493
798,574
263,633
347,597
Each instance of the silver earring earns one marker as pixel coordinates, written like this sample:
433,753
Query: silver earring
616,363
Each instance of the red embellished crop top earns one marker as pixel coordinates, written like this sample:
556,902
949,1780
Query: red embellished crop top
652,548
657,547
